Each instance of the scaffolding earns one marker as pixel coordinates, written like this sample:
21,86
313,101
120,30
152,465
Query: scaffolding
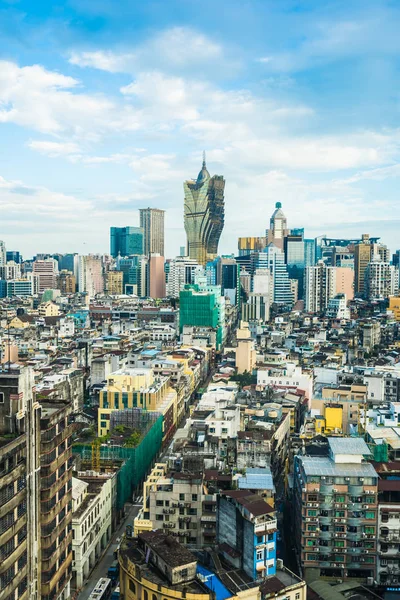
133,463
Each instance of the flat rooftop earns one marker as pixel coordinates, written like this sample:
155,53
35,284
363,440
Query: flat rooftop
325,466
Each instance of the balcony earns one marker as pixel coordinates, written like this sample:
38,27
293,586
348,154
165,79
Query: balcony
46,494
267,526
7,477
49,468
354,521
13,530
326,488
48,587
325,520
355,490
12,503
49,445
49,516
13,557
47,564
325,535
8,591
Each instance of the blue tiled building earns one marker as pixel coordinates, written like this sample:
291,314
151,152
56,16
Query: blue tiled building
246,532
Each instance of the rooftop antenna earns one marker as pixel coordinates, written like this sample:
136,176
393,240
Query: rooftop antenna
204,158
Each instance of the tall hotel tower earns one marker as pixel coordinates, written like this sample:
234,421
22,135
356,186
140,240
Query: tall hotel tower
204,214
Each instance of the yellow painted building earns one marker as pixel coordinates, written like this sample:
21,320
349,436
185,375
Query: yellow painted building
137,388
394,306
330,422
114,283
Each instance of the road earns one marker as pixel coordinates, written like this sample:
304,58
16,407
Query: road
107,559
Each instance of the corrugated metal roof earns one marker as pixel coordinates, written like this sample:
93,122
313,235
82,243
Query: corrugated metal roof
256,479
325,466
348,446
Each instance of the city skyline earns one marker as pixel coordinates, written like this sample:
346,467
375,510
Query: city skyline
276,115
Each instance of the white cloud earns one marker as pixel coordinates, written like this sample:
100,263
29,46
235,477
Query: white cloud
44,101
104,60
54,149
175,48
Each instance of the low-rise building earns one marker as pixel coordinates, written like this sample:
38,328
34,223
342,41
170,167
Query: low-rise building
92,505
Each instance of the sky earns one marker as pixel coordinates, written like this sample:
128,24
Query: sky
106,107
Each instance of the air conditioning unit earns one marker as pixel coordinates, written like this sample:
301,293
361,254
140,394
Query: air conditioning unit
367,491
336,535
347,478
361,479
335,490
323,477
365,506
335,520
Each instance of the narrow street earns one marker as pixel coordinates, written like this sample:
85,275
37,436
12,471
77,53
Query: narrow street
107,559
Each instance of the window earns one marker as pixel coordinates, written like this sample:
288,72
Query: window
369,514
1,397
311,543
311,528
145,595
159,502
182,497
224,430
340,499
260,554
339,513
212,429
339,544
184,572
192,511
194,497
103,424
312,513
297,597
370,530
159,517
132,586
312,557
260,539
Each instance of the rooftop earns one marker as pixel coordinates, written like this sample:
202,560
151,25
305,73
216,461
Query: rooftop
325,466
250,501
171,551
352,446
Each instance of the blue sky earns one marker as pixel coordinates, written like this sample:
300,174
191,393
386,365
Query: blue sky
106,107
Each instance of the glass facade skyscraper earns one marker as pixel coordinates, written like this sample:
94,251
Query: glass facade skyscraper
204,215
126,241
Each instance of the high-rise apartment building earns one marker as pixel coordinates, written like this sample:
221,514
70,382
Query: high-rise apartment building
377,280
3,254
204,215
320,286
156,276
91,279
152,224
47,271
181,272
126,241
335,512
366,251
35,492
56,499
11,270
200,308
135,275
114,283
66,282
281,283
